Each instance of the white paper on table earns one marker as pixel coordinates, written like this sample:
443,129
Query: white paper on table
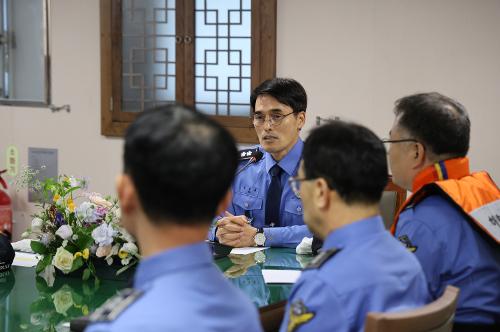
25,259
246,250
281,276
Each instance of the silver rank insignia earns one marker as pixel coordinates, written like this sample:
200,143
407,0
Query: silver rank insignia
115,305
247,153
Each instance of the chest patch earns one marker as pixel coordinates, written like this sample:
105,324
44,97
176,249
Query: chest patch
405,240
299,314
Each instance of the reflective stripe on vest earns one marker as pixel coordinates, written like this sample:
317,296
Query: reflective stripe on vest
475,194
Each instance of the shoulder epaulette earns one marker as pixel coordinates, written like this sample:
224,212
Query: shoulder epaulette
113,307
247,154
322,257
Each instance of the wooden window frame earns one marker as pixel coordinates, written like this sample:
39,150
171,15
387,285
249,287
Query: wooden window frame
114,122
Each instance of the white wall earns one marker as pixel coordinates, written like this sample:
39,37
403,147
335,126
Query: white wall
74,36
354,58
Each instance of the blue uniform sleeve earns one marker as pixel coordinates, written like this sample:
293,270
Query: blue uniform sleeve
289,236
313,307
130,326
424,242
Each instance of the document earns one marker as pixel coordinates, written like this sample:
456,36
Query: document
281,276
246,250
25,259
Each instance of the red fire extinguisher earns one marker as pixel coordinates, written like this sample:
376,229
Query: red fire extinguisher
5,209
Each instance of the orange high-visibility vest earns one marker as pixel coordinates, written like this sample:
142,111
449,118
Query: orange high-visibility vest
475,194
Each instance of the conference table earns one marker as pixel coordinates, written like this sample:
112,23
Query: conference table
28,304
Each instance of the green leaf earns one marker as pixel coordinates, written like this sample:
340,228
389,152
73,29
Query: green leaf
41,285
86,274
38,247
77,263
71,248
70,191
91,267
43,263
84,240
42,304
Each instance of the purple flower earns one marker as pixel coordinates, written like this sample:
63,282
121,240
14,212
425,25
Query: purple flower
60,219
100,212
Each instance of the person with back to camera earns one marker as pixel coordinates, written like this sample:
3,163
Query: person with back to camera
178,168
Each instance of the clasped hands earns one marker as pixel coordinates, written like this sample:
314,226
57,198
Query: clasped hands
235,231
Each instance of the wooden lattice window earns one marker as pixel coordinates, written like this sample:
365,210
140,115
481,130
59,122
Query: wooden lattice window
206,53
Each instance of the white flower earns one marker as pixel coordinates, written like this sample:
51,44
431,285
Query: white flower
126,260
73,182
115,250
103,235
126,235
36,318
63,300
63,260
46,238
64,232
109,260
36,225
49,275
130,248
74,237
118,213
86,212
98,200
65,243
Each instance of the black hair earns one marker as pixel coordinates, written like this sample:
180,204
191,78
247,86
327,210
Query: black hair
439,122
285,90
350,157
181,162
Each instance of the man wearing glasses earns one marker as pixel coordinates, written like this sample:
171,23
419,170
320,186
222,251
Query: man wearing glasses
264,209
451,222
361,268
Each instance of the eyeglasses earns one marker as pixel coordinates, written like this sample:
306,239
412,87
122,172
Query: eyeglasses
295,184
387,140
274,119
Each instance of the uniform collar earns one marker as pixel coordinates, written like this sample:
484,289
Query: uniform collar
443,170
290,162
353,233
170,261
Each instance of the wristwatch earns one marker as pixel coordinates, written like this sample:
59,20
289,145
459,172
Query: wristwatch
260,257
259,237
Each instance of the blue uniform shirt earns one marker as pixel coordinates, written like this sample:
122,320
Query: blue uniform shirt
451,252
184,291
369,273
249,198
252,282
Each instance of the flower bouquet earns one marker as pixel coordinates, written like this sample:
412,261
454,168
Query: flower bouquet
76,229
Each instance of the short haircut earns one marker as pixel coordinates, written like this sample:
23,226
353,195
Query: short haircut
181,162
439,122
285,90
351,158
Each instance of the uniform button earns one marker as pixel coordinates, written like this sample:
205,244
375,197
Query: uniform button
299,209
246,205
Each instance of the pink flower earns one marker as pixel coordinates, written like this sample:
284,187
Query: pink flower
103,251
99,201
